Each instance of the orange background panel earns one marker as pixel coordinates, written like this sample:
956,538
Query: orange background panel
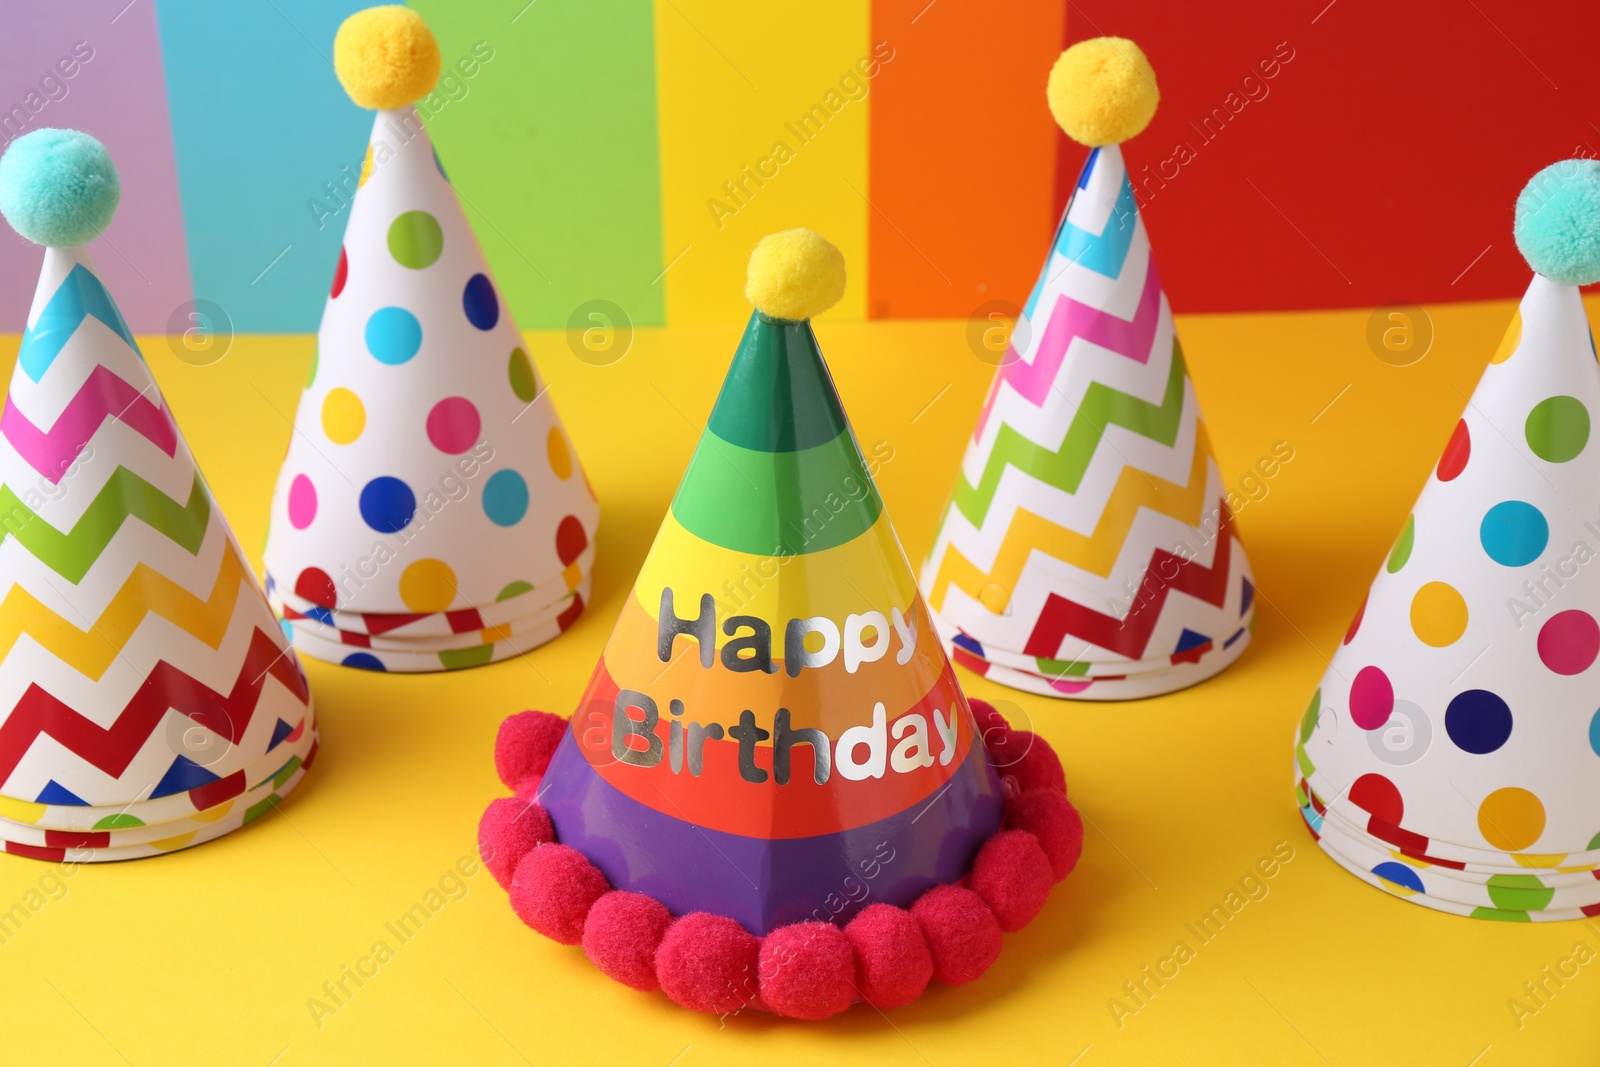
962,157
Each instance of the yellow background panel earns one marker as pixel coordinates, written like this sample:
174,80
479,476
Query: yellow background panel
729,89
211,956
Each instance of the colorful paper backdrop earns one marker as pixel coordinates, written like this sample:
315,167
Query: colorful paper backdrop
1306,154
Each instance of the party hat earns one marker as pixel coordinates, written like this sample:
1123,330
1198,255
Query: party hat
429,474
773,738
150,701
1087,549
1451,752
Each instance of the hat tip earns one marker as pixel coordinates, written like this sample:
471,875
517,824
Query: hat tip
58,187
1558,222
795,274
1102,91
386,57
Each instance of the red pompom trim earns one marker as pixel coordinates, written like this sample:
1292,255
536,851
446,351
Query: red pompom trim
811,970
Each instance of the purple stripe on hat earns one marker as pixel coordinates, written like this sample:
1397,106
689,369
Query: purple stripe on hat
767,883
116,91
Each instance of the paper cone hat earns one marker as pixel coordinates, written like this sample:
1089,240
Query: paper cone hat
773,706
148,699
1087,549
1452,750
428,472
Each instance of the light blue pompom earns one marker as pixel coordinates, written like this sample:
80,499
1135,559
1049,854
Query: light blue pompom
1558,222
58,187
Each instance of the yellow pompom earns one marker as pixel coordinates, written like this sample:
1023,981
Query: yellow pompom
794,275
386,57
1102,91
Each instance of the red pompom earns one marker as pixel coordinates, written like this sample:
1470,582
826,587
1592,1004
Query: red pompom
992,726
1050,817
525,743
621,935
808,971
1032,762
961,932
529,786
553,889
1013,876
708,963
509,830
893,964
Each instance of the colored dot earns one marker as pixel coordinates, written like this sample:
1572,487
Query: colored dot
560,455
570,540
453,424
341,274
1399,875
1371,698
1355,623
1514,533
1594,741
1478,721
1558,428
427,586
1511,819
1402,546
1509,343
1569,642
387,504
1376,795
505,498
523,382
1519,892
302,502
1456,453
415,239
393,335
343,416
364,661
518,588
1308,721
316,353
480,303
1438,614
314,585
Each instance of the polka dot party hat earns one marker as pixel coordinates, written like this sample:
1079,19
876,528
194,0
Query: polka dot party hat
148,701
430,513
1451,754
773,738
1088,549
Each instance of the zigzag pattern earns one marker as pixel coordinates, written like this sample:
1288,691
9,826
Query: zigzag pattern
125,495
1095,552
1130,636
1070,319
146,592
165,687
1065,467
79,296
104,396
1102,252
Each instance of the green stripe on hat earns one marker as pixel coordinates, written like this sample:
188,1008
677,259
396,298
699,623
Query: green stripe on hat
777,503
778,396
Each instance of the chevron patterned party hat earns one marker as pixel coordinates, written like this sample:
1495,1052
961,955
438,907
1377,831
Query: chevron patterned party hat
1451,754
430,513
773,700
148,699
1087,550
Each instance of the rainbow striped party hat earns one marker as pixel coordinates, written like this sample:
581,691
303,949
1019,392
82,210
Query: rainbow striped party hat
148,699
1451,753
1088,550
774,707
431,513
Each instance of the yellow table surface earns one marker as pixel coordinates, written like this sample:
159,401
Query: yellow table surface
220,954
